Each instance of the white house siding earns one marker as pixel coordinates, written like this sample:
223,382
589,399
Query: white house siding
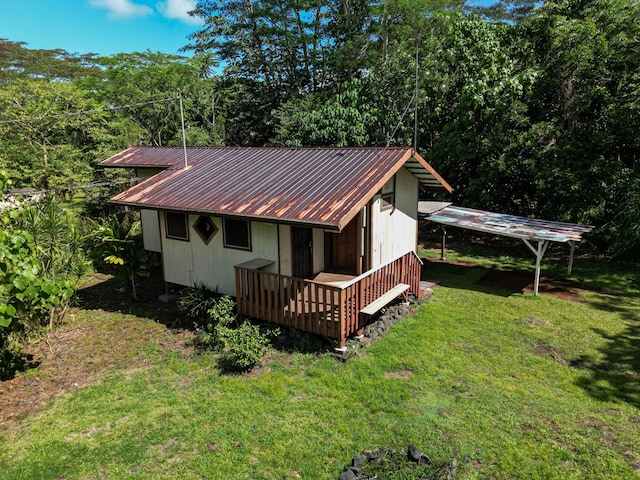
318,250
286,259
177,256
149,218
394,230
150,230
186,263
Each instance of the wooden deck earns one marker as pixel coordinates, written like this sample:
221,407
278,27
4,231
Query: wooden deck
329,304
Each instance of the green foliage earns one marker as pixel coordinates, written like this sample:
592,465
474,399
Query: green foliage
11,353
26,295
243,346
145,80
347,118
196,302
120,247
219,315
45,140
61,238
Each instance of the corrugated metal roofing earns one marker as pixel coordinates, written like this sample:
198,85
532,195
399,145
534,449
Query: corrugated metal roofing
321,186
508,225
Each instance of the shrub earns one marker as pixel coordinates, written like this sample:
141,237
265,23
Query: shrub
197,302
243,346
11,355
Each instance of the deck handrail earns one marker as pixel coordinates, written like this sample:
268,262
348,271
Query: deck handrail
380,267
321,308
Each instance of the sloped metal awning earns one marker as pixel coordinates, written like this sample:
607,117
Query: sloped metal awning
535,233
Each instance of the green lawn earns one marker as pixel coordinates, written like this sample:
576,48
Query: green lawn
511,385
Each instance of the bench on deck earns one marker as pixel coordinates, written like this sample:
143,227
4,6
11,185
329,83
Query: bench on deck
385,299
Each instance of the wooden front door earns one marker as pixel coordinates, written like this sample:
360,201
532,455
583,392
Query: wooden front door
342,252
302,252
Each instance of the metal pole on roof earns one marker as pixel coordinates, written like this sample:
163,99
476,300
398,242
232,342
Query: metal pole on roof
415,110
184,136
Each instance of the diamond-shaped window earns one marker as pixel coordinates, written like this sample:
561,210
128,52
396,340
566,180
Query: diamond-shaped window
205,228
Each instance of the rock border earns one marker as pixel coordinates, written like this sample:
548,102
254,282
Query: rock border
412,457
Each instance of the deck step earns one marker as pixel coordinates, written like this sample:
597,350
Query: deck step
386,298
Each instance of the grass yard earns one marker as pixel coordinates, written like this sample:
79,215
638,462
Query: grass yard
510,385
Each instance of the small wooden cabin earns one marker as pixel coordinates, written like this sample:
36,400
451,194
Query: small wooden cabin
314,238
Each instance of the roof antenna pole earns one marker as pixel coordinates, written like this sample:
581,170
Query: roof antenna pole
184,136
415,110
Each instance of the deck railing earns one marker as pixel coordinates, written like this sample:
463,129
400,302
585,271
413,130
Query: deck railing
328,310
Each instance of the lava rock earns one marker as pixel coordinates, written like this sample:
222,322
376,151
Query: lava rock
416,455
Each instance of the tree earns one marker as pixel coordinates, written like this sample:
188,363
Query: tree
586,104
17,61
151,84
45,134
506,11
121,248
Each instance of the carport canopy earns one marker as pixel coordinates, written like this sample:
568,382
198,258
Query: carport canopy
535,233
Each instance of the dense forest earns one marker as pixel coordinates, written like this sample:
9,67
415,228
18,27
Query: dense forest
530,108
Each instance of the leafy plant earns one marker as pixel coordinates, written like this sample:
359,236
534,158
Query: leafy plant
11,352
120,248
197,301
241,345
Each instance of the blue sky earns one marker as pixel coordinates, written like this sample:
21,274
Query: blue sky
104,27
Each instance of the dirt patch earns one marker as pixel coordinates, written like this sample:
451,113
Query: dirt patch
399,374
90,346
523,282
543,350
535,322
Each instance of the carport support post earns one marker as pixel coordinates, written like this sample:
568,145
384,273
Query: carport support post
539,253
572,243
444,239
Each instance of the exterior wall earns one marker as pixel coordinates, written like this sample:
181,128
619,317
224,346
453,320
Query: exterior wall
149,218
188,262
150,230
394,230
318,250
286,258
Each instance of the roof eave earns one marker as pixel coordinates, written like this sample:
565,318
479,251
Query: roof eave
334,227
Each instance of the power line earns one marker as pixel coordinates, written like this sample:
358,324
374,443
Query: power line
73,114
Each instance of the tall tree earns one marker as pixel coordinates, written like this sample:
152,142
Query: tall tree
46,130
506,11
150,84
18,61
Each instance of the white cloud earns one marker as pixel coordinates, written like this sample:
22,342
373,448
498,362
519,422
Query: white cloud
122,8
179,10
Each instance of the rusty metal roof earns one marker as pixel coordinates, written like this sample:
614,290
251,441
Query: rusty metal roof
325,187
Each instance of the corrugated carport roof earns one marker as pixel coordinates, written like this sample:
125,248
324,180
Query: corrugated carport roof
326,187
529,230
504,224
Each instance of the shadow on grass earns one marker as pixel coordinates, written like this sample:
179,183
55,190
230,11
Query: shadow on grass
616,375
468,276
112,294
